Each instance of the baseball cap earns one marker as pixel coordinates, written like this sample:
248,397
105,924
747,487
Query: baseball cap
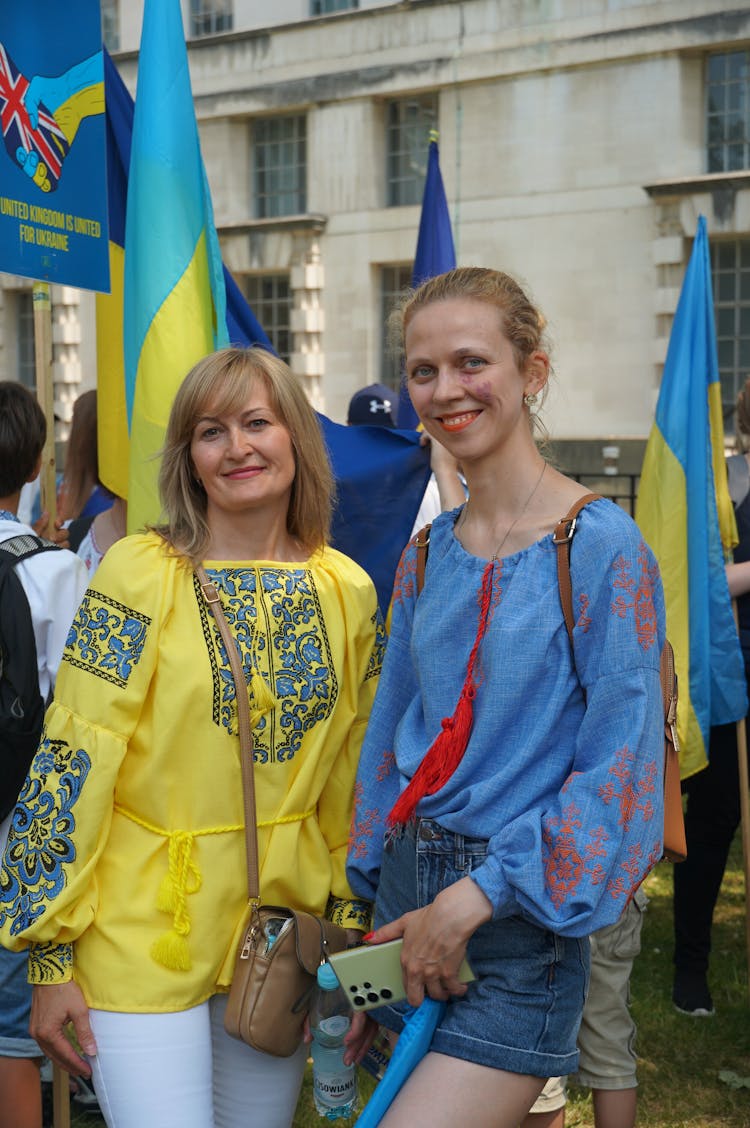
374,405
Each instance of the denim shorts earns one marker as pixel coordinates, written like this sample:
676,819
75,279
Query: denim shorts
523,1011
15,1007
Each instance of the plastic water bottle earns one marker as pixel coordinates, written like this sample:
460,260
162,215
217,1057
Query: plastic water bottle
334,1084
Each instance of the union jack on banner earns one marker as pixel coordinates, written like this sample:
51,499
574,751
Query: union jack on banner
47,142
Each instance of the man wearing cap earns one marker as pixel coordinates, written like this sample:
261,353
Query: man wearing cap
375,406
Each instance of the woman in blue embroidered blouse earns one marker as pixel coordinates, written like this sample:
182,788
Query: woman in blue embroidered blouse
508,799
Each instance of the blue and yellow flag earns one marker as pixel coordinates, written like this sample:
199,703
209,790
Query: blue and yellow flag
686,516
175,302
435,251
242,325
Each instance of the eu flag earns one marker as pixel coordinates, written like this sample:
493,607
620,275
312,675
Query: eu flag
435,251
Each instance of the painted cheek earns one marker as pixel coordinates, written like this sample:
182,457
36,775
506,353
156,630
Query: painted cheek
482,391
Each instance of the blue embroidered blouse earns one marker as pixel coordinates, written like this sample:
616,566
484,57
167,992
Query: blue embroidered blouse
563,770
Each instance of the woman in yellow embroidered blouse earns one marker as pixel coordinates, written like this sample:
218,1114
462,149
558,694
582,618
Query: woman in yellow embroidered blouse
124,870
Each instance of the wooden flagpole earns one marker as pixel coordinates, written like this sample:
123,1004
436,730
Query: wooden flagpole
45,394
48,482
745,829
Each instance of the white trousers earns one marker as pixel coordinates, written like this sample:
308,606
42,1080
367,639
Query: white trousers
182,1070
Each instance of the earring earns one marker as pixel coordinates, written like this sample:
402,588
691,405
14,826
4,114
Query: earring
530,399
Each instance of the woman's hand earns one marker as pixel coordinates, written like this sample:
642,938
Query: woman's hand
435,940
53,1006
359,1037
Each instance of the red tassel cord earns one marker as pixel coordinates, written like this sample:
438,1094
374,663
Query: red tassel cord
447,749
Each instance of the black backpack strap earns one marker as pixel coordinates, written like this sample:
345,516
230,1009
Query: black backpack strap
24,545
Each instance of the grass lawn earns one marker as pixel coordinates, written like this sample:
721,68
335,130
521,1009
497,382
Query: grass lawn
681,1059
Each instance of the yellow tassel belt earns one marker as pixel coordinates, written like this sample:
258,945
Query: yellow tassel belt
182,878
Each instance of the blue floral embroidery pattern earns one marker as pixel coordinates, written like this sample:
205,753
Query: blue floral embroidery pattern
40,843
349,914
106,638
375,664
282,638
50,963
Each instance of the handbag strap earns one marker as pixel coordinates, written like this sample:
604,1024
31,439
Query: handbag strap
422,542
561,538
211,596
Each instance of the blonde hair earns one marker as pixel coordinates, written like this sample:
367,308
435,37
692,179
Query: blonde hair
222,381
522,323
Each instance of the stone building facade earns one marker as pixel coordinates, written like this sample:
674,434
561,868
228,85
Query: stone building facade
579,142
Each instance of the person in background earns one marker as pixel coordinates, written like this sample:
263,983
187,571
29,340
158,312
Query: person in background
489,818
53,582
91,537
81,493
712,812
606,1039
133,911
374,406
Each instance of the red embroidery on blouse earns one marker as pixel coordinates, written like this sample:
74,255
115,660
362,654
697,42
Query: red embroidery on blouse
584,620
569,780
564,866
405,583
362,824
385,767
631,794
639,598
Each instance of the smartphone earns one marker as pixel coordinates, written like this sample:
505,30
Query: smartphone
371,974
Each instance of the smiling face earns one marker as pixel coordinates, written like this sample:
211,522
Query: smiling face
244,456
464,379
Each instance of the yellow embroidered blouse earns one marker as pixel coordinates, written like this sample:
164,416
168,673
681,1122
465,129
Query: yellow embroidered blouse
125,865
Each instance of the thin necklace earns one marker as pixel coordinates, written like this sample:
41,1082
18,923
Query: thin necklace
515,520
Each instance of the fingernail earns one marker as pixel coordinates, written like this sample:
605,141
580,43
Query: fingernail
369,936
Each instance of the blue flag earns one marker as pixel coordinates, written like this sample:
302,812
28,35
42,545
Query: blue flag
435,251
686,516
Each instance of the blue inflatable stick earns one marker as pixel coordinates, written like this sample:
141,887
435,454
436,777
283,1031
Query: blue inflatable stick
413,1043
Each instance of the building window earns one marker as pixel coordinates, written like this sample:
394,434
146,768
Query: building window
408,125
111,24
25,328
393,281
730,265
321,7
207,17
728,111
280,165
270,298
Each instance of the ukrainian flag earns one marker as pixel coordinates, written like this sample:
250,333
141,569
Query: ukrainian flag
242,325
175,301
435,251
686,516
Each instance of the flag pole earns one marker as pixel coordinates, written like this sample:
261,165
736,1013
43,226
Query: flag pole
45,394
745,829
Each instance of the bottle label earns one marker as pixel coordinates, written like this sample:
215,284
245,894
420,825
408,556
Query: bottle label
335,1089
336,1026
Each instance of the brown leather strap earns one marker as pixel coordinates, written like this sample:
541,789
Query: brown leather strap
422,541
211,596
562,536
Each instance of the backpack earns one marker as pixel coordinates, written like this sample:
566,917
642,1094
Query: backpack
21,704
675,846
